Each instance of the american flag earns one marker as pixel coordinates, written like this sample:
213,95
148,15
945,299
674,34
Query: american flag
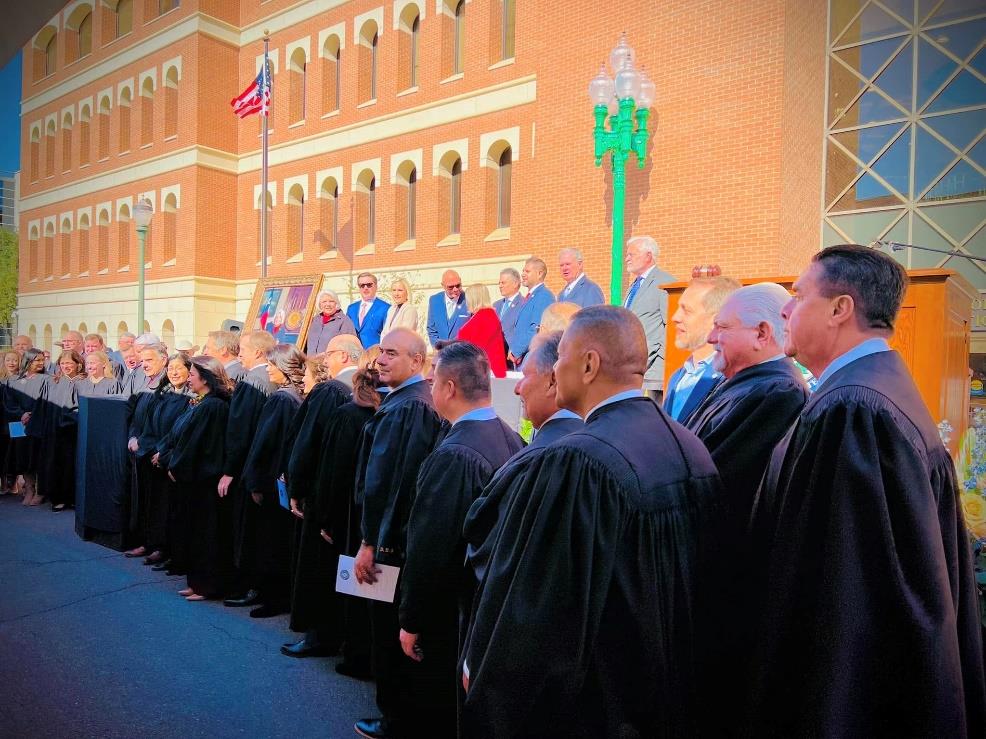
256,98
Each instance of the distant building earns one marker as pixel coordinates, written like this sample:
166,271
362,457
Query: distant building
8,202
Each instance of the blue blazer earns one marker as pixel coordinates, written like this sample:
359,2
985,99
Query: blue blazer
369,331
529,318
584,294
440,326
508,321
699,393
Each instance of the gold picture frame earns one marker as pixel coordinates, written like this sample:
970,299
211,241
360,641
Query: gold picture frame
283,306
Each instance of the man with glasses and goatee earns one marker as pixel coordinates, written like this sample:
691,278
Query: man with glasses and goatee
369,312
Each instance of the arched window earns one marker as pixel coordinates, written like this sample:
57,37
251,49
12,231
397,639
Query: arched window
124,18
502,30
163,6
171,102
33,333
85,35
85,134
46,341
368,42
50,149
123,236
49,250
459,37
331,74
168,333
504,164
67,142
406,216
35,154
451,168
51,51
297,69
365,201
45,52
169,216
65,265
147,111
498,163
32,253
126,96
104,128
410,24
296,221
83,328
103,241
84,244
328,230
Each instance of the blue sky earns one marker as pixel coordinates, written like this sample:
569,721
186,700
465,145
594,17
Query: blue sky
10,115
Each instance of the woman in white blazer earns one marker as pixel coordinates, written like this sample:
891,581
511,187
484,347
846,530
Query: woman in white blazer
401,312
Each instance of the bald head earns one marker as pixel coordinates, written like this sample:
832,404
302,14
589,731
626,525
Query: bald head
602,352
452,284
402,355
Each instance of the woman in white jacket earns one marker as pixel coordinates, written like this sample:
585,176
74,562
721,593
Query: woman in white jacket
401,314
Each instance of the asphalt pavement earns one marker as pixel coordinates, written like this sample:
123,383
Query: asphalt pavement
93,644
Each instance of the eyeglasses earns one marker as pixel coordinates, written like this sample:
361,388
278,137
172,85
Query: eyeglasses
366,284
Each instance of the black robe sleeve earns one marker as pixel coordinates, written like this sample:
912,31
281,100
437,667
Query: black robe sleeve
337,471
198,448
310,426
245,408
268,456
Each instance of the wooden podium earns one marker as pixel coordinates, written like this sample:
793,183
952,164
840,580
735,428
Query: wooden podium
932,336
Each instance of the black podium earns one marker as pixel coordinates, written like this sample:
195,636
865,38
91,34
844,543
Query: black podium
103,471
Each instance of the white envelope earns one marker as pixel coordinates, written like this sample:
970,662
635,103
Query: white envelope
383,589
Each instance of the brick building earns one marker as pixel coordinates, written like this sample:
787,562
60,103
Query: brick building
407,136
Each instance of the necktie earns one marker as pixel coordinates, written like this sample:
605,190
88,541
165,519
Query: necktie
633,292
449,309
363,308
506,306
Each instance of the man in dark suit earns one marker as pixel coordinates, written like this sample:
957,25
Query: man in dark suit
369,312
579,289
447,310
538,298
646,300
508,306
697,308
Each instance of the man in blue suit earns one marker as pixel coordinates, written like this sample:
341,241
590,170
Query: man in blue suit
538,298
508,307
447,310
693,321
579,289
369,312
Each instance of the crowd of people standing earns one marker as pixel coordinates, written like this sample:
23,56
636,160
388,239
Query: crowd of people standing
739,553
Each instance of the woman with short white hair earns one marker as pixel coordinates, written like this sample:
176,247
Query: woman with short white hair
327,323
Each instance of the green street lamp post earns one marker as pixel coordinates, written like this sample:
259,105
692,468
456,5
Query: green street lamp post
625,100
143,211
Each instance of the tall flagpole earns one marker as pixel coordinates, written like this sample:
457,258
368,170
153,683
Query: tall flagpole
265,112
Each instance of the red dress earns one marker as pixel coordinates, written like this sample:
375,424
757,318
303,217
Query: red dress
484,330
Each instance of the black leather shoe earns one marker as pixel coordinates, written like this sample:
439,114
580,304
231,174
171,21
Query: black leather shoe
376,728
252,598
356,672
305,649
161,566
267,611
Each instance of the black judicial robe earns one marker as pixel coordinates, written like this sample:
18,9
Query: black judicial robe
23,393
306,436
164,417
195,460
869,623
585,623
328,505
266,462
740,423
56,469
487,511
395,442
245,408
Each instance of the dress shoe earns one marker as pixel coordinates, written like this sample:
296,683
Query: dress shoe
156,557
354,671
376,728
138,552
161,566
252,598
267,611
304,648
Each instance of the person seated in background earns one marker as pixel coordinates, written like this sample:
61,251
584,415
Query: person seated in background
483,328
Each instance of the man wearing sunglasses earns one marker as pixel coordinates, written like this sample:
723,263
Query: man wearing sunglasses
369,312
447,310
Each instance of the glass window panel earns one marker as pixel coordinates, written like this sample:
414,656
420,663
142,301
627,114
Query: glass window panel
962,92
873,22
866,192
843,87
979,62
962,38
958,221
872,107
959,129
842,12
868,58
903,8
962,181
840,170
866,143
831,237
895,80
925,7
933,69
932,158
976,246
925,235
894,165
898,233
978,153
953,10
968,268
864,228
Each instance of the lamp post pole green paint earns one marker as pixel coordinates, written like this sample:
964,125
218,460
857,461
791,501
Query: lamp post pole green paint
630,94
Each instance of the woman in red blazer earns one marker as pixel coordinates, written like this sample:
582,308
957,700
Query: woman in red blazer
483,329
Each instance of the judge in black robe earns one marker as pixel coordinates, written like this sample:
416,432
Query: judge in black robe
22,394
585,624
436,589
195,464
266,462
149,508
172,404
870,623
56,473
309,576
245,407
395,443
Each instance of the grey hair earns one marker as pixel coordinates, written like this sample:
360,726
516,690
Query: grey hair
761,303
128,335
544,352
352,348
511,273
160,349
648,243
577,253
331,293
